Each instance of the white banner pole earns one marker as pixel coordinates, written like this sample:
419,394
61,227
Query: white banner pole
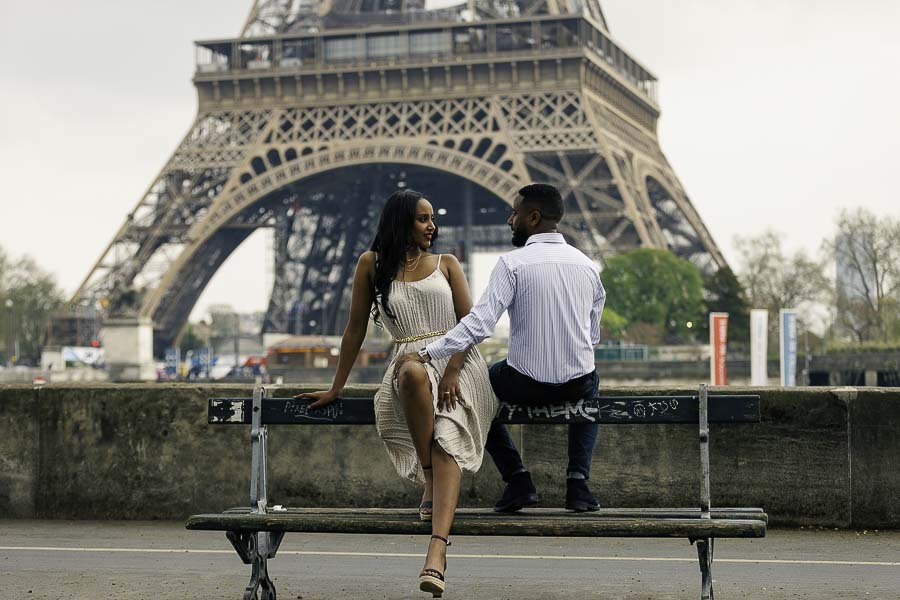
759,346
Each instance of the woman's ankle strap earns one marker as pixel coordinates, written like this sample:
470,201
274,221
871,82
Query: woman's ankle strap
443,539
426,467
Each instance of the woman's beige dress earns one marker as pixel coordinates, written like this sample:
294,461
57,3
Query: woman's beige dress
426,306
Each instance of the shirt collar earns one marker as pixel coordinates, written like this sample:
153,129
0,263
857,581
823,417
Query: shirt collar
546,238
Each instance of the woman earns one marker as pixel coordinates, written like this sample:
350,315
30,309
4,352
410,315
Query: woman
433,418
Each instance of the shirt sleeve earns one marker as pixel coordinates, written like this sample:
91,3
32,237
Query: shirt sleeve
597,312
481,320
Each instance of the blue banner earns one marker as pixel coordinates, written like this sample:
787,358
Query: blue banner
173,357
788,343
204,360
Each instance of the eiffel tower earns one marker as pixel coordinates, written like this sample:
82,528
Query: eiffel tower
320,109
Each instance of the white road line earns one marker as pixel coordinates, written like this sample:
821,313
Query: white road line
852,563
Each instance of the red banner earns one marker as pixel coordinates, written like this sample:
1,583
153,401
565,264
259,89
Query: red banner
718,342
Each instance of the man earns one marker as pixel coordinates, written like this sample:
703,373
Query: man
555,298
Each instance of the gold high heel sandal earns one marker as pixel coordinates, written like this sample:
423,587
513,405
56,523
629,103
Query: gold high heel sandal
432,580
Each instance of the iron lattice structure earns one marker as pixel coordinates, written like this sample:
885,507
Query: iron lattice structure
311,117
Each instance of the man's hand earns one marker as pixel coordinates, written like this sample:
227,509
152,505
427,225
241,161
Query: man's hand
320,398
449,394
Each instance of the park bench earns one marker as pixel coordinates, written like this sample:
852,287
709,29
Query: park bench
256,531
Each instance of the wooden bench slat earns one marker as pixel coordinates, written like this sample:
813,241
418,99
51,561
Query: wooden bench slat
488,524
660,513
603,409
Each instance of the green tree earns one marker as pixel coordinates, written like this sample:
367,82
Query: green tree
723,292
657,288
612,325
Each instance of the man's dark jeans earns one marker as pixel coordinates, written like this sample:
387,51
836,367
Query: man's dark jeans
515,388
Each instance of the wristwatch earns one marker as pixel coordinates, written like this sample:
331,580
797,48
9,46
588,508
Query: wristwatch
423,354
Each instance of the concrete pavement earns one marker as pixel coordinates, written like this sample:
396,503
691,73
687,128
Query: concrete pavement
160,560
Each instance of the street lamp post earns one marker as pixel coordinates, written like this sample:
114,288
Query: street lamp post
10,342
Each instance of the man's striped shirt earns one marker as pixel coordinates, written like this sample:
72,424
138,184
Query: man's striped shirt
554,297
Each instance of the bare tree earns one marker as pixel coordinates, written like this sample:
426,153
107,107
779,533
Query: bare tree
866,251
775,280
35,296
4,267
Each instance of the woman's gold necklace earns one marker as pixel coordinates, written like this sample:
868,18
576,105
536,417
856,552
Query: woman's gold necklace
415,263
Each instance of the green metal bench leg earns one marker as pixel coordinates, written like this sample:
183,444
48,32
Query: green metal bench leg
240,542
266,586
256,549
704,545
253,586
705,554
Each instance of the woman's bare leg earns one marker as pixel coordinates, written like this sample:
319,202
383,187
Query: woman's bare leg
447,478
415,395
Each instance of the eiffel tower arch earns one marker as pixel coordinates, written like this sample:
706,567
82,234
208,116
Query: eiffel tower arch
313,115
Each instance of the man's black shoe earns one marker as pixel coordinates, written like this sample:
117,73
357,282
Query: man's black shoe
578,497
519,493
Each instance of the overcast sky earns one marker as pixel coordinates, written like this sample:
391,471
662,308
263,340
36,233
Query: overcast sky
776,113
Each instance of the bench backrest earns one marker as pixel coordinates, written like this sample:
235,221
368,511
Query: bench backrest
607,410
698,410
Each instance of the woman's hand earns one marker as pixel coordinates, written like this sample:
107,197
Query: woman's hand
402,360
321,398
449,394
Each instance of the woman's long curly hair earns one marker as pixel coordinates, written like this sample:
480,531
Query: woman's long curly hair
392,239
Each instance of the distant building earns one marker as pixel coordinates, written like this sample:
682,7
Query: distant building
853,275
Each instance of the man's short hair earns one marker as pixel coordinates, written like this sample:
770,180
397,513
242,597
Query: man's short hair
545,198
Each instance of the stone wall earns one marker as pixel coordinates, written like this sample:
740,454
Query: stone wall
820,456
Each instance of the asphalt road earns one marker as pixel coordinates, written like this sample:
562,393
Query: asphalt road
141,560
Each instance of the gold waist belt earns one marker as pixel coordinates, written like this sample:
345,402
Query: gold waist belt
421,336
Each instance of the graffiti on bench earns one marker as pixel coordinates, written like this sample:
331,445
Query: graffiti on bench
285,410
601,409
299,410
592,410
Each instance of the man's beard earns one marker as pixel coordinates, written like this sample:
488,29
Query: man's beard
519,237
